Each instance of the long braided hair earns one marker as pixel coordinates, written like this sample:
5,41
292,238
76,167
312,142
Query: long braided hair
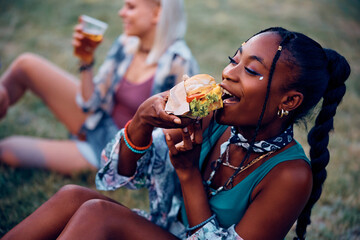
319,74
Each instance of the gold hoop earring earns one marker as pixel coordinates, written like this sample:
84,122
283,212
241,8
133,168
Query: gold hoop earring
281,113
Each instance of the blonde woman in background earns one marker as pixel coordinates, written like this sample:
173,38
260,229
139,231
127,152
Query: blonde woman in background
149,57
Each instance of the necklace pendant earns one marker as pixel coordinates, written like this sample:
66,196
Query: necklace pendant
230,166
227,162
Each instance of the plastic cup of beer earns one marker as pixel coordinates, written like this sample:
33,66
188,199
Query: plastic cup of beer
93,28
93,31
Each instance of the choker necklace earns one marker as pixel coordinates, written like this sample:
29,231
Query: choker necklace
268,145
143,50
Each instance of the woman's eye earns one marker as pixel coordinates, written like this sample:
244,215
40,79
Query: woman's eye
252,72
232,60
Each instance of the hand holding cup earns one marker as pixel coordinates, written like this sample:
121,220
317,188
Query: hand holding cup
88,35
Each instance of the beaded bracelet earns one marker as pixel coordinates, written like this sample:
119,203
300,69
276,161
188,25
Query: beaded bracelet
189,229
131,145
84,67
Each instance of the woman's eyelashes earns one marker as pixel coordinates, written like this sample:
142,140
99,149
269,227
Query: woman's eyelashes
248,70
232,60
252,72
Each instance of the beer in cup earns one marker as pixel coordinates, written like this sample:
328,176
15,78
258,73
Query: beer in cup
93,31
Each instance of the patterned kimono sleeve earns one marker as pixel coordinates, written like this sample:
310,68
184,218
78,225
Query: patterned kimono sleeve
108,178
213,231
102,81
181,66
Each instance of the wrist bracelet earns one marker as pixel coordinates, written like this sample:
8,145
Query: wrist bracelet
131,145
84,67
132,149
189,229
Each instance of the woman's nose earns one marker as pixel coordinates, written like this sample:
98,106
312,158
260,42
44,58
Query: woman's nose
230,73
121,12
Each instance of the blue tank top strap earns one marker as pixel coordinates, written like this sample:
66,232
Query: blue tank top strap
293,153
230,206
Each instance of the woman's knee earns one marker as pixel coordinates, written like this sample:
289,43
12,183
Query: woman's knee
21,69
75,195
25,60
75,191
103,209
71,189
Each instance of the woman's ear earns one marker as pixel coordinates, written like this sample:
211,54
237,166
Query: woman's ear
157,13
291,100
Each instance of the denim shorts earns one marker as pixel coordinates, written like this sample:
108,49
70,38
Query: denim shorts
96,140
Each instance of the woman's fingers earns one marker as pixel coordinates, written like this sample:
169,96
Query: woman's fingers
172,149
198,132
78,28
152,111
76,40
172,121
185,145
187,142
168,117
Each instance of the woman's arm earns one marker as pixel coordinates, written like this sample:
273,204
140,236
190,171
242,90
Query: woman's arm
86,83
96,91
277,201
150,114
120,163
185,159
85,53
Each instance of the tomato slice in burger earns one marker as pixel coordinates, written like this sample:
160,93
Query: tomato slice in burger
194,96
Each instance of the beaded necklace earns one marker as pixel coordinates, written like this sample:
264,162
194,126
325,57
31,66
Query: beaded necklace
216,164
267,147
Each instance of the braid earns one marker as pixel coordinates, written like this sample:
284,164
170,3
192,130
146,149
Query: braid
318,136
285,40
321,74
318,73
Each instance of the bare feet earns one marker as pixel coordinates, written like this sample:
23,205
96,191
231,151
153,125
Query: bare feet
4,101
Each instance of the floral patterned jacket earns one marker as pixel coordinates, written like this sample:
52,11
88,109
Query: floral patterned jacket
156,173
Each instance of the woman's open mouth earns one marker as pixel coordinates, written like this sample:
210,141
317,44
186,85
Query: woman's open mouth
228,98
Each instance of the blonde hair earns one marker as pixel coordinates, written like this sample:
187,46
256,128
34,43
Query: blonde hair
171,27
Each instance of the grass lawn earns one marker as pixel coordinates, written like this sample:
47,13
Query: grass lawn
215,30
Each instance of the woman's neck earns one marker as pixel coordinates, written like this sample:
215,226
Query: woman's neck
146,42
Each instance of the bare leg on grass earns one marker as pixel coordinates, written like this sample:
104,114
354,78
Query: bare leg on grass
57,89
76,212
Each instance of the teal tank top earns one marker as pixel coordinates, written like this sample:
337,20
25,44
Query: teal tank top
230,206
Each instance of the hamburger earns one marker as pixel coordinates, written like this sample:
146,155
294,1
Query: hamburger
203,95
